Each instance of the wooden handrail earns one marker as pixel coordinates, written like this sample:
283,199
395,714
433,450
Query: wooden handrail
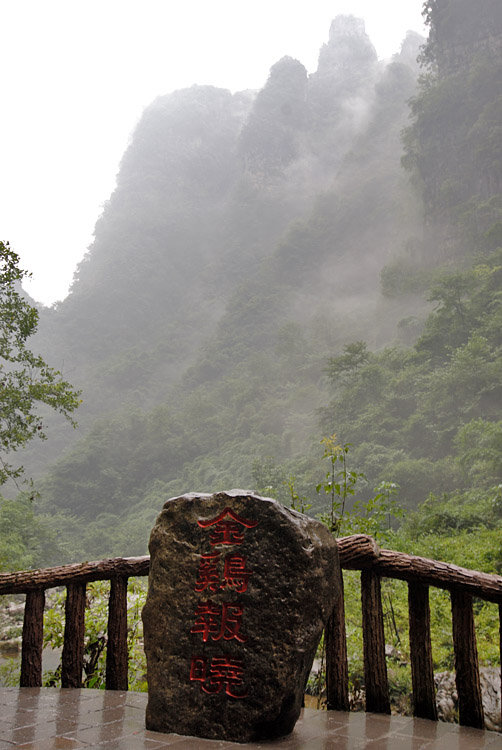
47,578
357,552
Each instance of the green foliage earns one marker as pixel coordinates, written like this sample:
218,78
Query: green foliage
453,513
431,411
26,380
453,144
404,276
343,366
374,516
377,515
25,539
339,483
269,479
298,502
479,451
10,672
453,23
96,618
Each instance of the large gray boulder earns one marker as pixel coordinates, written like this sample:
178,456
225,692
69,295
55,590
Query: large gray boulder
447,696
239,591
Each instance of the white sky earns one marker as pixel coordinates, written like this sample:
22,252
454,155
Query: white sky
75,76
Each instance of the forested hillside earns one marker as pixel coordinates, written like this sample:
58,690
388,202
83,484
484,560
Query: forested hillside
321,256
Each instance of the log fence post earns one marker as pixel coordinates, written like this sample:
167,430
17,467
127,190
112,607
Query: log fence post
337,670
72,661
33,636
470,705
422,672
375,667
116,649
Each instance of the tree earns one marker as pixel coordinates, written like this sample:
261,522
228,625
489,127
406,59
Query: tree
342,367
26,381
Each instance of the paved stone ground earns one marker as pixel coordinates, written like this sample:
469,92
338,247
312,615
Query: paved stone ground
48,718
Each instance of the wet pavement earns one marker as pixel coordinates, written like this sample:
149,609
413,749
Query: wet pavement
44,718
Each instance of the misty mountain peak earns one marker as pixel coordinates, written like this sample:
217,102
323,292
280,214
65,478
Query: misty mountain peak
284,91
343,26
268,140
348,46
287,68
410,49
344,81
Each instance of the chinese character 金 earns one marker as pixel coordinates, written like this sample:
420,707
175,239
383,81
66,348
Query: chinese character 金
222,673
227,531
217,622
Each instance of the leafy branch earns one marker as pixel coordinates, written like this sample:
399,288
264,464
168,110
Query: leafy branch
25,379
339,482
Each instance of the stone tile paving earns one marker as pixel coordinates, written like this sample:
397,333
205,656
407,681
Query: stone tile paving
52,719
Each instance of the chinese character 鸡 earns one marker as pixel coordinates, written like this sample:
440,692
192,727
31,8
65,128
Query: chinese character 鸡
208,577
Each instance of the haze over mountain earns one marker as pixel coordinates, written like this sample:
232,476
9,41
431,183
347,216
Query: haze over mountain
252,238
209,189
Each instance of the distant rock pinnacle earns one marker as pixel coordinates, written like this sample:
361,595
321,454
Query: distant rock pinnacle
348,46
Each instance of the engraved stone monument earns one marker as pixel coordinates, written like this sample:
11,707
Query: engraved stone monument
239,591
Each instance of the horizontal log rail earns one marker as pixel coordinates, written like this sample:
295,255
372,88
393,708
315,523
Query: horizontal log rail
357,552
49,578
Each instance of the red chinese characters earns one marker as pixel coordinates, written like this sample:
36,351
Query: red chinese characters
227,531
221,622
208,576
221,672
234,575
218,621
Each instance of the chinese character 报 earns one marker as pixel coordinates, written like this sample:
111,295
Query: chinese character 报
218,621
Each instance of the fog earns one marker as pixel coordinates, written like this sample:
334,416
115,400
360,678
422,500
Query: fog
253,242
79,76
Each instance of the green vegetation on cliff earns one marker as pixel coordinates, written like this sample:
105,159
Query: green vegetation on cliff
323,256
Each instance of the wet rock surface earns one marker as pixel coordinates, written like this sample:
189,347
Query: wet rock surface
11,626
447,697
239,591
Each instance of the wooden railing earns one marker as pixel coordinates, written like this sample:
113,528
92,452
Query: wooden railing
361,553
358,552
